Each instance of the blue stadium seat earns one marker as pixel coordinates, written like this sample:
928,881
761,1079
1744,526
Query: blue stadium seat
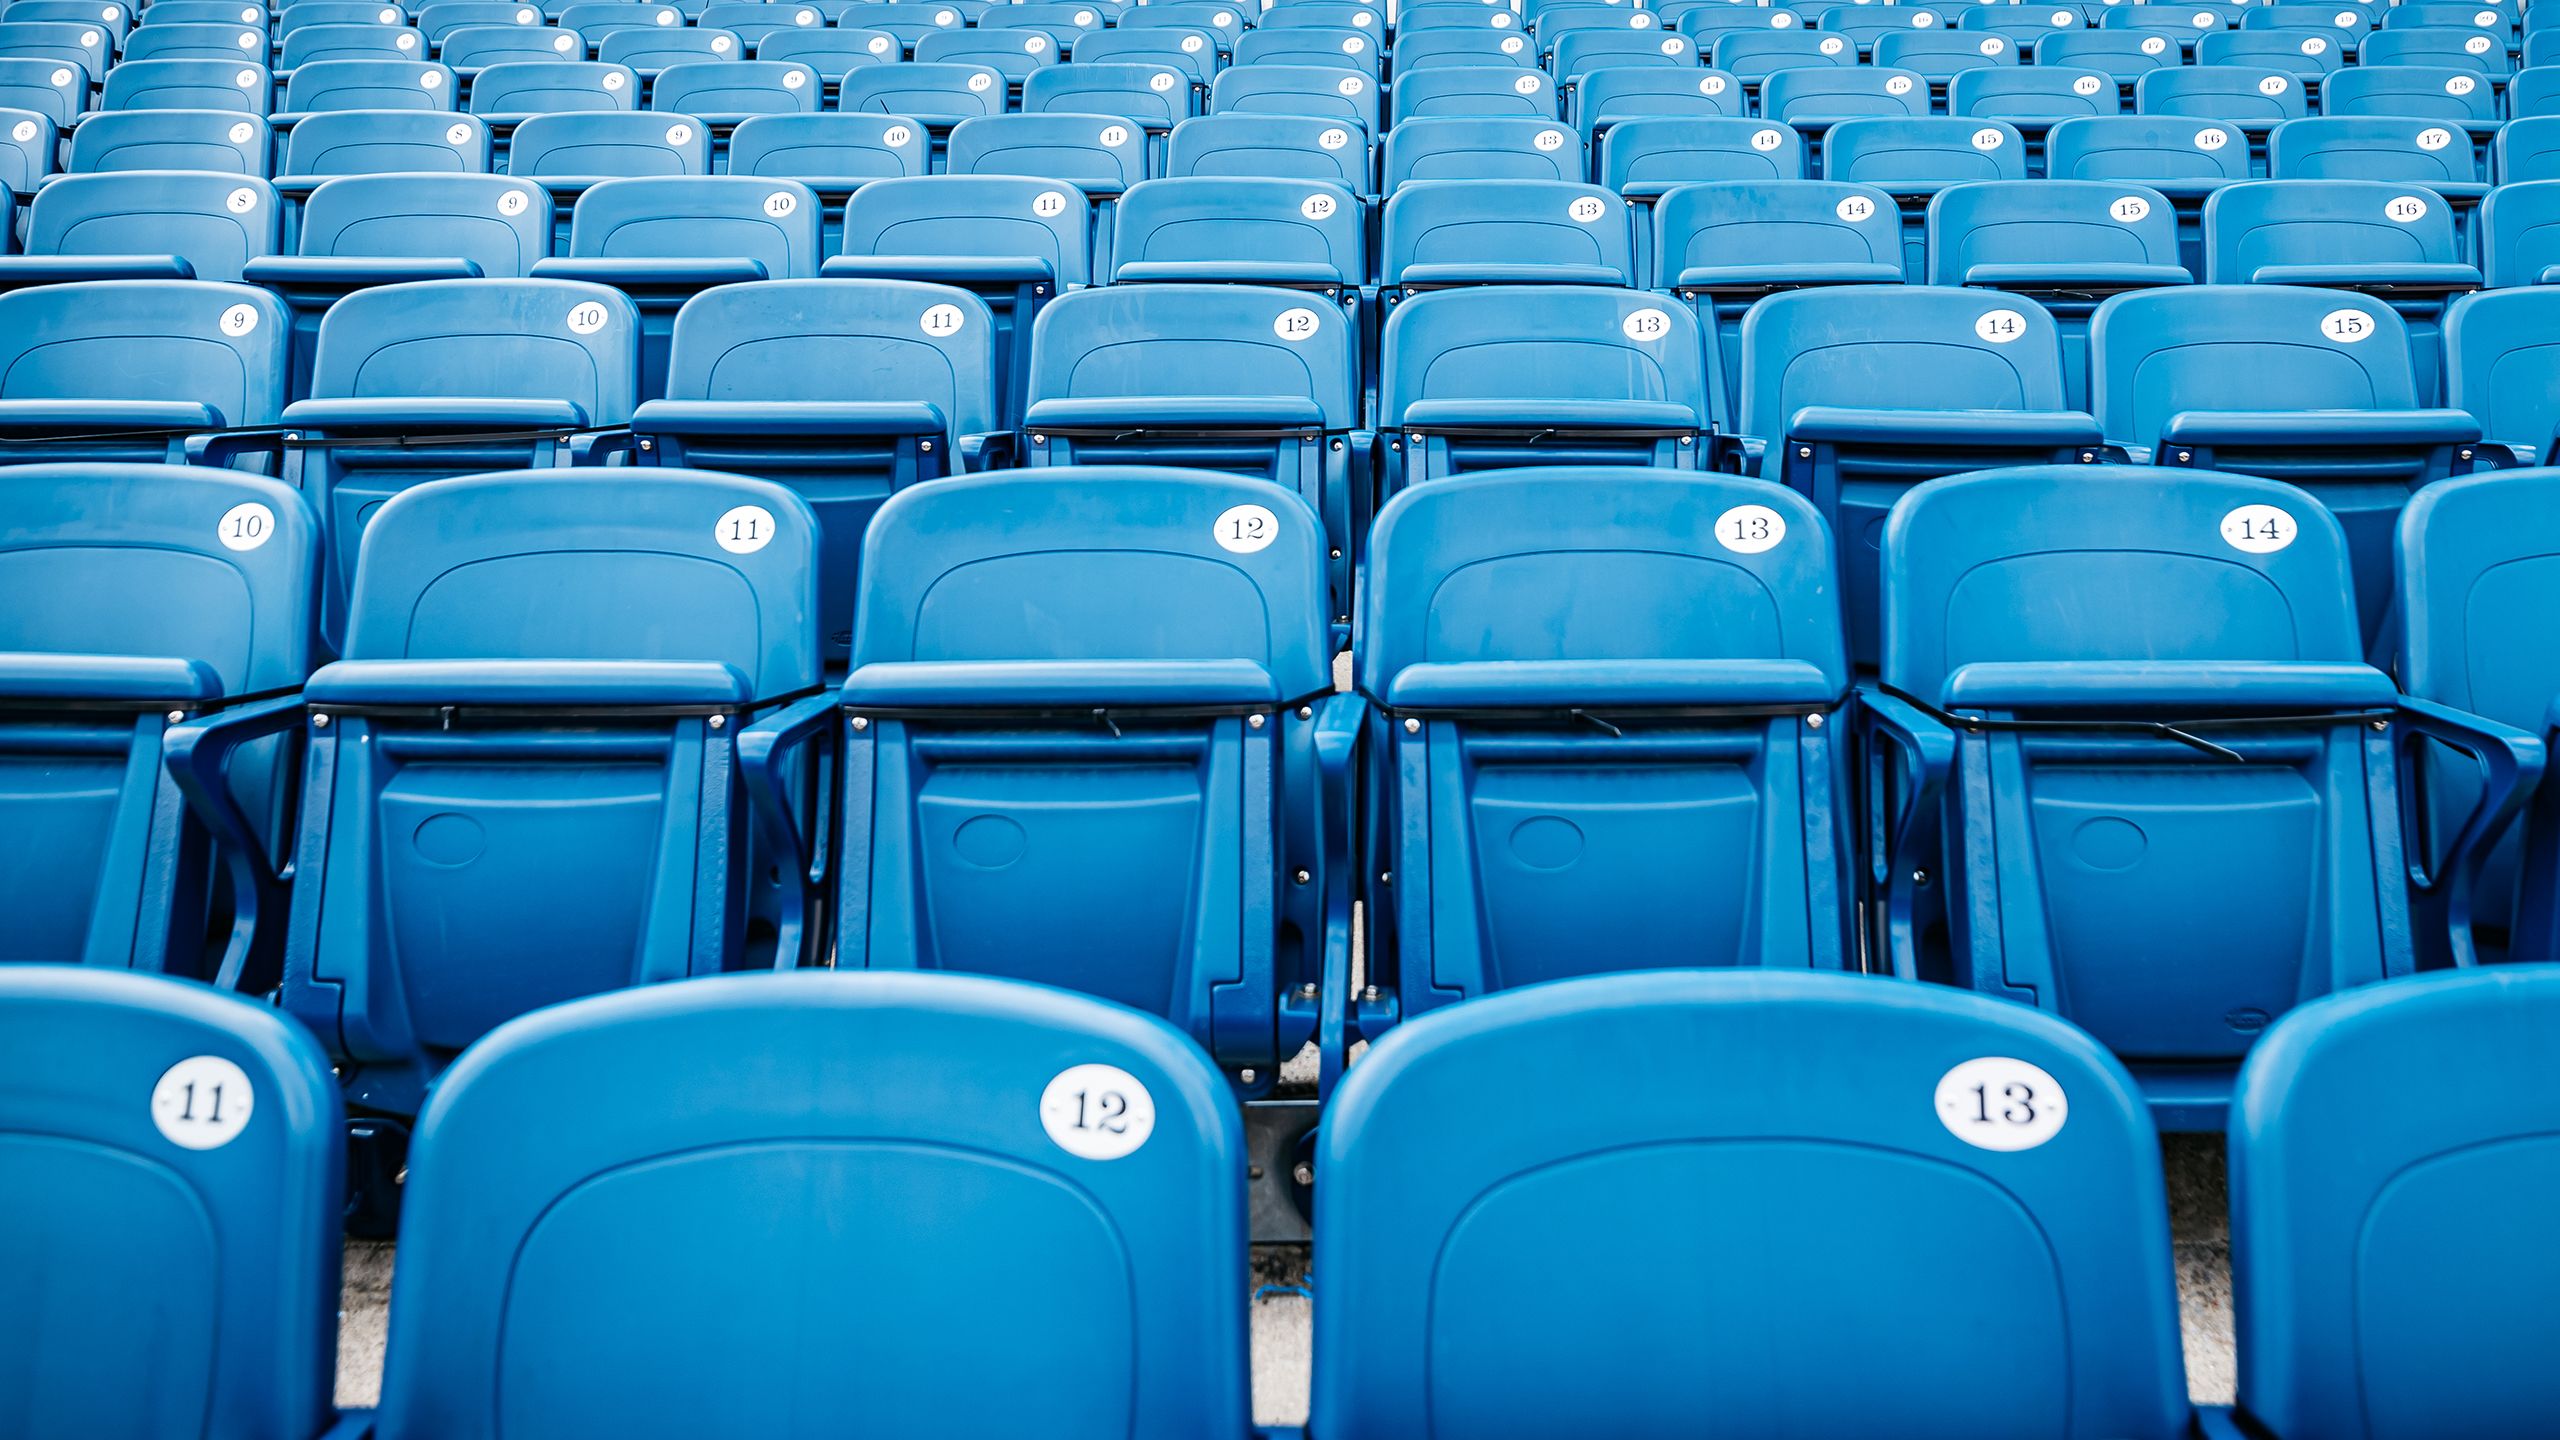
2500,368
2066,244
2432,92
2169,817
1721,246
843,390
1941,55
469,49
2520,231
1310,45
1014,54
1697,618
1913,159
1320,14
1156,97
1013,242
1418,18
1097,154
2405,151
220,141
594,21
173,1157
2252,97
519,793
2310,58
380,142
1287,147
227,40
1812,98
1137,1324
506,95
1245,379
566,153
2293,383
1418,47
1853,394
1067,21
296,14
1302,234
661,241
2359,16
439,19
419,381
364,230
1336,91
2186,160
650,49
905,23
1646,157
833,53
834,155
1480,378
2124,54
1580,52
128,370
2032,99
1682,1218
1607,96
144,224
133,597
28,149
186,85
86,45
755,20
2184,23
1752,56
1865,24
1190,607
1473,90
2379,1142
313,43
723,93
939,96
1192,52
2481,49
1227,22
326,85
2024,24
2392,240
1556,21
1479,147
1475,232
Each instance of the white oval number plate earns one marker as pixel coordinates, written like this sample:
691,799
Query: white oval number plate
1750,529
1245,529
202,1102
2259,529
1097,1112
744,529
1997,1103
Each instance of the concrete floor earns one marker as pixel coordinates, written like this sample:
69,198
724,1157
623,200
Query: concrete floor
1281,1322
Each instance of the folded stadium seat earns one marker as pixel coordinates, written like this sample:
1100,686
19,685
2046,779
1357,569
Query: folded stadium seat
2022,25
218,141
2501,369
2185,160
2313,58
1193,52
2483,50
297,14
934,96
2520,232
186,85
1581,52
2298,384
28,151
2496,17
506,95
2195,667
1722,245
52,91
2404,151
1067,21
843,390
109,13
2124,54
350,42
2391,240
1703,20
1478,147
1864,24
1335,91
174,1159
1914,158
834,155
906,24
1550,25
1243,379
1486,378
2526,150
1290,147
2338,1167
1645,158
326,86
753,22
1099,155
1853,394
2032,99
469,49
1715,1143
143,224
568,152
1297,234
2430,92
1153,97
2252,98
663,240
722,94
420,381
1013,242
1752,56
1320,15
1939,56
133,597
594,21
1418,48
323,147
1693,617
227,40
890,1213
2347,21
2065,244
1014,54
1440,233
1480,91
832,53
1018,634
1414,19
1308,45
2184,23
128,370
67,42
1617,92
651,49
438,19
1226,22
2538,51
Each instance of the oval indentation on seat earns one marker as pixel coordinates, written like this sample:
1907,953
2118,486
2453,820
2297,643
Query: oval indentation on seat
450,839
1546,842
990,842
2108,843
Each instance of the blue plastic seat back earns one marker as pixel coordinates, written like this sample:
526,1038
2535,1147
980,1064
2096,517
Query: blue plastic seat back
2186,22
498,223
2146,149
220,141
1923,152
369,85
2062,227
1816,95
2249,94
220,346
350,42
2520,230
1067,21
908,23
1479,147
2537,51
846,150
298,14
2500,365
222,40
216,223
1580,52
27,147
1723,1237
1321,14
609,143
1543,593
440,18
1193,52
1227,22
2406,151
85,45
1289,147
1477,90
652,48
2308,57
1097,154
594,21
752,22
2328,223
1157,97
1333,90
1651,155
832,53
1132,587
1731,232
1555,345
1553,23
1013,54
386,142
725,92
2310,15
1419,48
130,594
1193,346
549,89
700,217
934,94
1704,22
2160,353
2434,92
1895,348
2022,24
946,217
1619,92
187,85
109,13
1137,1328
1253,230
133,1208
1755,55
1941,55
470,339
2481,49
2368,1208
1456,232
2033,95
2127,55
1311,45
1415,19
474,47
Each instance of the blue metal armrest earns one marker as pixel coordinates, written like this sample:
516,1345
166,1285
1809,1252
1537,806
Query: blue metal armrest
1340,722
1929,750
760,750
2510,763
198,754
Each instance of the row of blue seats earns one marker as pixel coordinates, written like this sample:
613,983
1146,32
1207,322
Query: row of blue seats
1009,1209
2128,761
